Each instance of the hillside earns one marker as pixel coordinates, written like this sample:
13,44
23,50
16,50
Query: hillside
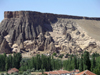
33,33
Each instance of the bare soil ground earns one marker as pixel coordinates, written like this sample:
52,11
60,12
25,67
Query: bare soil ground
92,27
35,73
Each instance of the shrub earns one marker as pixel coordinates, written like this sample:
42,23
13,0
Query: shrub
20,72
40,70
36,70
15,73
7,74
25,73
54,54
66,55
61,55
1,74
33,69
28,71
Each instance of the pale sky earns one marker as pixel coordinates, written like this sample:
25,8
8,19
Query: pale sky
89,8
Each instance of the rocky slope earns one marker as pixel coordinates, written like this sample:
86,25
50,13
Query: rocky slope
71,37
34,32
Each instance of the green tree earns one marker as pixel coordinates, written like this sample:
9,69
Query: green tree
10,61
2,62
52,63
93,63
17,57
86,59
6,64
75,62
81,63
42,68
54,54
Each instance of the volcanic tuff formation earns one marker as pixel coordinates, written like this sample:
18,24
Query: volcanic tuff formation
27,31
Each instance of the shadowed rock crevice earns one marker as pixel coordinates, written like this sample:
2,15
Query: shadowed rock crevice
4,48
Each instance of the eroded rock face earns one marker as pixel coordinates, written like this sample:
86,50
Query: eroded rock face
43,30
68,37
41,37
28,23
77,33
4,48
75,41
47,33
21,46
40,42
1,39
64,29
20,39
52,47
47,43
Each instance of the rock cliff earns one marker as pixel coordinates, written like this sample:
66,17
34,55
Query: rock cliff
30,31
